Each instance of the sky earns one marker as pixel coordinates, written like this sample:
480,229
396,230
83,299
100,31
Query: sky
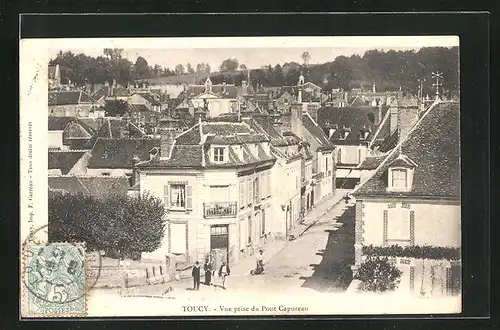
254,52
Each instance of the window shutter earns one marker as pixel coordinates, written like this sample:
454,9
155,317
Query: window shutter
242,193
268,184
166,196
412,227
250,189
189,197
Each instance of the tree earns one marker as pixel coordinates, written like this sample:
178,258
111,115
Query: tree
115,108
279,79
377,274
229,65
207,68
243,67
142,68
189,68
113,54
179,69
200,68
119,225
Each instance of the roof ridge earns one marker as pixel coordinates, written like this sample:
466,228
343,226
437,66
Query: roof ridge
396,148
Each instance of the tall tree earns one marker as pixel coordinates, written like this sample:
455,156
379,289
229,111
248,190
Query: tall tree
306,56
207,68
142,69
243,67
189,68
279,78
179,69
229,65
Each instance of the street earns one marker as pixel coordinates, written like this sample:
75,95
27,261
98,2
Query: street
318,260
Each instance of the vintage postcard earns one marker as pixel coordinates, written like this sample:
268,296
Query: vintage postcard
240,176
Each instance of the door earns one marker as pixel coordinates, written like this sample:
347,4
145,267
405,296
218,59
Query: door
219,242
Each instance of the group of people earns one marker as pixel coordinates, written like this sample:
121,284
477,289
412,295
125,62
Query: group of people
224,271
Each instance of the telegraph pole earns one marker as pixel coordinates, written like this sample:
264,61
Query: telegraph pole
437,75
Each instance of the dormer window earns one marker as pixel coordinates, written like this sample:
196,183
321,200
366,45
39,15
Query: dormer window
401,174
219,155
399,178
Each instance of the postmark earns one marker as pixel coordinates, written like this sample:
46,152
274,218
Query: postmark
57,277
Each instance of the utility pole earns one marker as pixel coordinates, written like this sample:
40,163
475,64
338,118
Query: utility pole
438,75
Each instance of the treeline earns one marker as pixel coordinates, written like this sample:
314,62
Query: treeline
80,69
389,71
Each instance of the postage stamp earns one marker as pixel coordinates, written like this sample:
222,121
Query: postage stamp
54,277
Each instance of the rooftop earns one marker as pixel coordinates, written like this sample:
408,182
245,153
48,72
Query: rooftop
433,145
69,97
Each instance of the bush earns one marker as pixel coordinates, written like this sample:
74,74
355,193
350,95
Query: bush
377,274
416,251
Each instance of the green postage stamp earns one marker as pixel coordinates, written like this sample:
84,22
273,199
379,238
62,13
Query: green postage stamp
54,280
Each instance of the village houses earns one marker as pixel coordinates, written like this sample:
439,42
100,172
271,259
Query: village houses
413,199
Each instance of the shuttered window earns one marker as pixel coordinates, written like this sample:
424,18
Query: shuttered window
250,192
242,194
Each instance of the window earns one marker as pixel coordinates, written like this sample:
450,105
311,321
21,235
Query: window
256,190
219,155
249,233
399,178
326,165
398,226
219,193
178,196
359,155
105,174
339,156
242,193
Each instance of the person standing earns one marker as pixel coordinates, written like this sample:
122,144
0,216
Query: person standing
224,271
208,272
196,276
260,262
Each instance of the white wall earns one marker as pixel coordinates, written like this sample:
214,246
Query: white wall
436,223
351,154
56,139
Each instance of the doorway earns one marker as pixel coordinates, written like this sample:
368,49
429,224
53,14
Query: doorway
219,243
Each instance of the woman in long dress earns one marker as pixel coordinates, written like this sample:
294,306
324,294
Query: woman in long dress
207,267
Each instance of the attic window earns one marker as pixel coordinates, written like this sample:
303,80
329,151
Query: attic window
399,178
219,155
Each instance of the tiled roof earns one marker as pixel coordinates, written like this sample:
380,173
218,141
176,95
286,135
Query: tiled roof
120,92
358,120
138,108
150,98
98,187
59,123
69,97
371,163
75,130
191,136
315,131
117,128
191,148
120,153
390,142
63,160
101,92
434,145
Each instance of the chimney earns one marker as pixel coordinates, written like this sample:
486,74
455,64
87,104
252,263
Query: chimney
296,118
378,120
394,114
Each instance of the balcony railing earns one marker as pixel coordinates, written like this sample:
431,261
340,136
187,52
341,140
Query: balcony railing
219,209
